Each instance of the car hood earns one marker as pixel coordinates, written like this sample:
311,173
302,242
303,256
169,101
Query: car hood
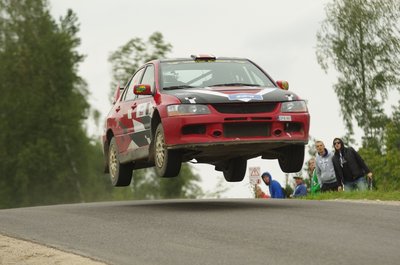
212,95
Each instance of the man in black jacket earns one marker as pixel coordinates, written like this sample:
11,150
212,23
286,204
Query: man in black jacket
349,167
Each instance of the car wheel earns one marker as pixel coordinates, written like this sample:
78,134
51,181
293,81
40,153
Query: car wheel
167,162
292,158
235,170
121,174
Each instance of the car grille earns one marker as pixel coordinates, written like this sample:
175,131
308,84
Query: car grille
246,129
245,108
293,127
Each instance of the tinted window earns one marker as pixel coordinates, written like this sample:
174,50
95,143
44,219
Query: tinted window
218,72
148,77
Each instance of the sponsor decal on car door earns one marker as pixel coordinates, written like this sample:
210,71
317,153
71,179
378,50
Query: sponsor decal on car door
125,108
141,122
142,112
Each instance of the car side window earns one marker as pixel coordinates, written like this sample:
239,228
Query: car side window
129,95
148,78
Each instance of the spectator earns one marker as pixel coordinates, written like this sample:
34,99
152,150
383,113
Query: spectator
312,174
260,194
325,170
301,189
275,188
350,167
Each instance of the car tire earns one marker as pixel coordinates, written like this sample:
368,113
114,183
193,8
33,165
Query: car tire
292,159
120,174
235,170
167,163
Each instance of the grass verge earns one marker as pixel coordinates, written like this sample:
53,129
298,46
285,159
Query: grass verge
357,195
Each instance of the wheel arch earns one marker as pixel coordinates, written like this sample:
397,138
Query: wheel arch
155,120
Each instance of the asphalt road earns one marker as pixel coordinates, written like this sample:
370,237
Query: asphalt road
215,231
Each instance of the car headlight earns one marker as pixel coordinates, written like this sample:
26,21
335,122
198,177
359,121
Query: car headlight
294,106
187,109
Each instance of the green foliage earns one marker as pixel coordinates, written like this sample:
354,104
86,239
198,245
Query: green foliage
130,56
362,40
288,190
147,185
183,186
356,195
386,164
46,156
392,141
94,184
220,188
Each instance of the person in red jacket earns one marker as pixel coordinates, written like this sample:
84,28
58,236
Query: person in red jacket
260,194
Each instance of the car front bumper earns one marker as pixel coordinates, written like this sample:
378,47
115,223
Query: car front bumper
232,129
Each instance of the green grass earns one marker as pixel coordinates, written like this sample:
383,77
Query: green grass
356,195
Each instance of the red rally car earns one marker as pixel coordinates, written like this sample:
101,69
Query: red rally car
221,111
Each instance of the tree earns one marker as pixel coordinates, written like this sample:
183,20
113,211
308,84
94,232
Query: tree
130,56
386,164
46,156
361,38
220,188
391,175
147,185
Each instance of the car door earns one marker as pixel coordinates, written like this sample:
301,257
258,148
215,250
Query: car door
124,114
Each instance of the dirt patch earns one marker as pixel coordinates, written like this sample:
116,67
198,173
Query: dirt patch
15,251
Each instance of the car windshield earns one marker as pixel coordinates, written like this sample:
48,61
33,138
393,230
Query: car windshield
196,74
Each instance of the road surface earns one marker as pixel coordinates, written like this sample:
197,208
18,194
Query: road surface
241,231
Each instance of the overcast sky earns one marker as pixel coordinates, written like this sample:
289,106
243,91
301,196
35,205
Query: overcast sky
280,36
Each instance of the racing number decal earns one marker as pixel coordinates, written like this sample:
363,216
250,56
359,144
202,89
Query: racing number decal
144,109
141,110
141,119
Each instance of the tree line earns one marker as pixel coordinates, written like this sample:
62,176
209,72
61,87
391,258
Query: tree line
46,156
361,40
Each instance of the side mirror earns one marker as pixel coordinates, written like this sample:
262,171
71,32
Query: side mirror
283,84
142,89
117,93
